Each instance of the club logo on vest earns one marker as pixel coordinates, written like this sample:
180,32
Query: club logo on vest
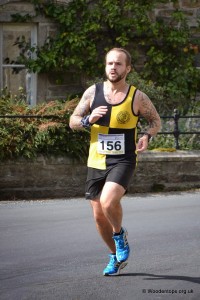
123,117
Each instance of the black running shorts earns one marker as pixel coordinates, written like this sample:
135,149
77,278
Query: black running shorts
96,178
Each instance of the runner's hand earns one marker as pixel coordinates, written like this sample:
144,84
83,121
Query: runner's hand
142,144
97,113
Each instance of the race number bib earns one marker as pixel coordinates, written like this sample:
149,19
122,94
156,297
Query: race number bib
112,144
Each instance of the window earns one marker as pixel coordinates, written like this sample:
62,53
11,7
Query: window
12,74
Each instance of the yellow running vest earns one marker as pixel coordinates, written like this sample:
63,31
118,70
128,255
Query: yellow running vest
113,137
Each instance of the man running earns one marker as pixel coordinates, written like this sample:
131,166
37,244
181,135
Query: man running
112,109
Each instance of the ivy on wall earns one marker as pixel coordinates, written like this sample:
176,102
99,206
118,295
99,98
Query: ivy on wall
86,29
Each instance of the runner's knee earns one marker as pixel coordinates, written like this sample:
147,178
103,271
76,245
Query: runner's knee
97,212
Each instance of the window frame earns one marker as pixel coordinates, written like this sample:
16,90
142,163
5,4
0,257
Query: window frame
31,90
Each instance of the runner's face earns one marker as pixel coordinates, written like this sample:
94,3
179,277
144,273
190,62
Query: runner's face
116,68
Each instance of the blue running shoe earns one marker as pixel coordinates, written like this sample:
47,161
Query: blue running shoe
113,267
122,246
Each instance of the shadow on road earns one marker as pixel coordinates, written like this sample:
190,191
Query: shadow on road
164,277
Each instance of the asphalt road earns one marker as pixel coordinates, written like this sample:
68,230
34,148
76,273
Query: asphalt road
50,250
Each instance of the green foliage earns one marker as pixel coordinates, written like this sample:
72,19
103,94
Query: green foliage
21,18
170,61
185,124
186,142
156,93
87,29
28,137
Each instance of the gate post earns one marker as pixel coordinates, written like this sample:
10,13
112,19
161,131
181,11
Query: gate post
176,128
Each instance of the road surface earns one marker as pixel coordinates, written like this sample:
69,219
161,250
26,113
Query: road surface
50,250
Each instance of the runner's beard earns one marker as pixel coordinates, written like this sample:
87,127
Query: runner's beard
117,79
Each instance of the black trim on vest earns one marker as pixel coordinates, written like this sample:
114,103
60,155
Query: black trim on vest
136,115
99,100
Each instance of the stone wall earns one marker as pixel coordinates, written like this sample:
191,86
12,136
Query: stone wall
54,86
61,177
167,171
190,8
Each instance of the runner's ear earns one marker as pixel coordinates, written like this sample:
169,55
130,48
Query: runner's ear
128,68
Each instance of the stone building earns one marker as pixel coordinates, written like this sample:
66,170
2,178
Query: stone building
44,87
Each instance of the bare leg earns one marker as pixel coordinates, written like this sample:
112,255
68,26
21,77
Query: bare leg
103,225
108,212
111,206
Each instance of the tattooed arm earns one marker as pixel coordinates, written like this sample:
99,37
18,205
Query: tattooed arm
83,109
146,109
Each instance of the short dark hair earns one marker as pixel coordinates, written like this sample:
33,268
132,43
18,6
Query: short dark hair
128,56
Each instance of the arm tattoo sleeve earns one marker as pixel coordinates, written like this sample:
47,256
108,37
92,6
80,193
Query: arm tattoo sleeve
82,108
148,111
